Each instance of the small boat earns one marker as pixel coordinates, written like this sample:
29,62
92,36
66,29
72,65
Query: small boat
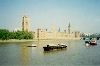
93,42
59,46
87,40
31,45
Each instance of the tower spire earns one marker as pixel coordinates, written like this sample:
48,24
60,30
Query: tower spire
69,28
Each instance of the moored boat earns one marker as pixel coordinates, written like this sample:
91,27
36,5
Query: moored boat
87,40
93,42
59,46
32,45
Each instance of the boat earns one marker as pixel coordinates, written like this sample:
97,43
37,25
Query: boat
90,42
51,47
31,45
87,40
93,42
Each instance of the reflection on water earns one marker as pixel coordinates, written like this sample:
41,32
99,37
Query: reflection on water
54,51
75,54
24,54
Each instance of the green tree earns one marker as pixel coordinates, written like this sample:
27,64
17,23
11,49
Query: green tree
4,34
24,35
12,35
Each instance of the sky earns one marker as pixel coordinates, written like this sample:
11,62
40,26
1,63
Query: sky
83,15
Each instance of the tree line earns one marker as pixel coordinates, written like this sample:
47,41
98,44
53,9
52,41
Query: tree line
6,35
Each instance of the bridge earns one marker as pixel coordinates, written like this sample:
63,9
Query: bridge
83,38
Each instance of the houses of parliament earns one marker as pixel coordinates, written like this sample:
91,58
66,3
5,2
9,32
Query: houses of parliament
42,33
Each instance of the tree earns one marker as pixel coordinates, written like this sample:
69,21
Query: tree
4,34
24,35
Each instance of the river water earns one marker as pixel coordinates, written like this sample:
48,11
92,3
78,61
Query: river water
76,54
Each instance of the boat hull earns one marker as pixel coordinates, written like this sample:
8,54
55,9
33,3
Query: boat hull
93,43
48,48
87,41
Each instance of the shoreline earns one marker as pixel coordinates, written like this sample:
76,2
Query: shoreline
31,40
15,40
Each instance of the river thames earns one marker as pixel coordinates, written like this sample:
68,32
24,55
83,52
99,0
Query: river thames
76,54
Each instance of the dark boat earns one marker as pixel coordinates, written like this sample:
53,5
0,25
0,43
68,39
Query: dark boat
31,46
59,46
87,40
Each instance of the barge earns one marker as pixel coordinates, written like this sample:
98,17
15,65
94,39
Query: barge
59,46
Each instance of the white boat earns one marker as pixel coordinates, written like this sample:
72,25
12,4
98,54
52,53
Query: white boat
93,42
32,45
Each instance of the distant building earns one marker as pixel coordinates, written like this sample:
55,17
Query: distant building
25,23
41,33
54,34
